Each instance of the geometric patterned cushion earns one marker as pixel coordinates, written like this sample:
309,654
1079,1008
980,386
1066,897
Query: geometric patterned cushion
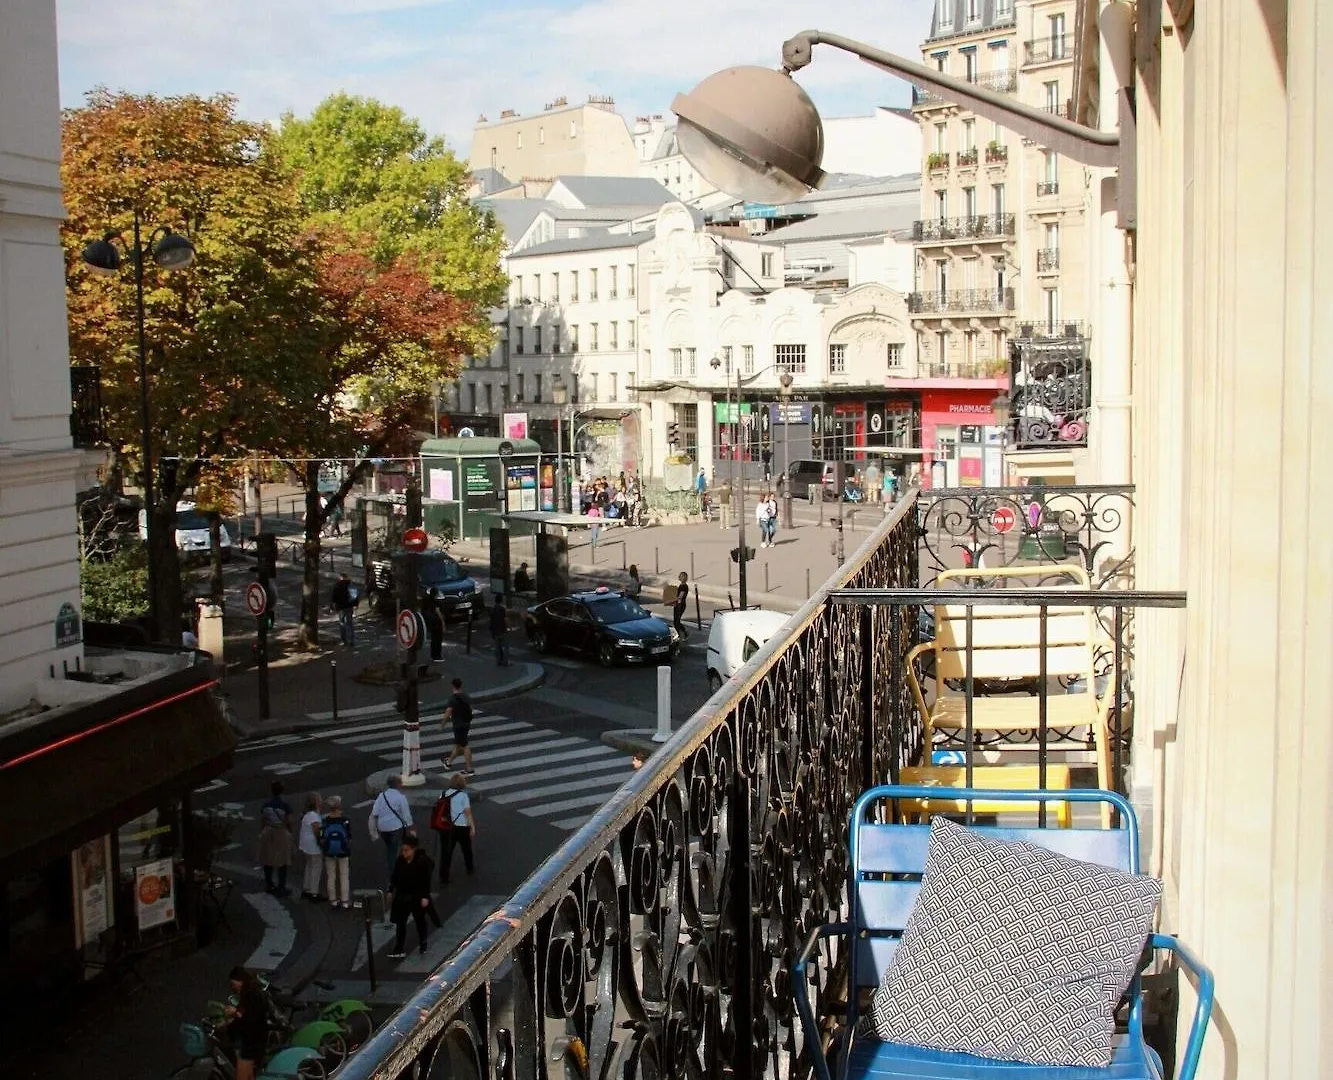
1014,953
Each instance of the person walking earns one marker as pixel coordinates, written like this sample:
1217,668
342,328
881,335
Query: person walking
595,530
391,819
307,843
522,579
458,715
500,630
724,504
761,519
766,456
634,589
344,603
335,842
772,504
409,895
681,604
871,482
275,840
458,828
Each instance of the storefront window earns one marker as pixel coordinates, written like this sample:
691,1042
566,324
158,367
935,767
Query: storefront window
147,886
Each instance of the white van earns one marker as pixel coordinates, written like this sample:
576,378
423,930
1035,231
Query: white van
734,637
192,533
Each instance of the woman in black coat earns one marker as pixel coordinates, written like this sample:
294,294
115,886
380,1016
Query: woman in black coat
409,894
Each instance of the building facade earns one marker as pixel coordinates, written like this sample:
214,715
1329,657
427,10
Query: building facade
591,139
1004,273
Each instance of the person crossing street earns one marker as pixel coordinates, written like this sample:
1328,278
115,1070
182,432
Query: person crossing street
500,630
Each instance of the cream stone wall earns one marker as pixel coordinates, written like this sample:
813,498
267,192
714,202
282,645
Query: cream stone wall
572,140
1232,444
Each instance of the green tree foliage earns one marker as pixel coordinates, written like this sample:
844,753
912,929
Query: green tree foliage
370,171
115,589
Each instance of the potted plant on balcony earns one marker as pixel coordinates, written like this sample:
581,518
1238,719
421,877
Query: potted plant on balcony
996,152
938,159
967,157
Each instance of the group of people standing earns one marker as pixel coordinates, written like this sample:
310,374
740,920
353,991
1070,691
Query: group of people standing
617,500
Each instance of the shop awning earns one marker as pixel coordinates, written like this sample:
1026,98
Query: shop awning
75,776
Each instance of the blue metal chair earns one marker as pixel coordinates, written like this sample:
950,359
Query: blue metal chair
886,865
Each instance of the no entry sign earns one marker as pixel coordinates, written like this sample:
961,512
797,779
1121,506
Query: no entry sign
409,630
1003,519
256,598
415,539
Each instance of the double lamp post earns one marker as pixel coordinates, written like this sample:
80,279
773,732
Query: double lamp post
169,251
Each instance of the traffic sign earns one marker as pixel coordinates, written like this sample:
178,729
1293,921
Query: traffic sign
415,539
505,449
1003,519
465,433
409,628
256,598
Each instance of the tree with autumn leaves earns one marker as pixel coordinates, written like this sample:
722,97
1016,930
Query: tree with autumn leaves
293,334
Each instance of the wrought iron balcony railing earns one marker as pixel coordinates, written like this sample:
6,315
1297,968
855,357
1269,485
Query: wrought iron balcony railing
966,158
87,420
1000,82
1048,259
961,300
976,369
1048,187
1044,50
997,155
973,227
658,940
1050,386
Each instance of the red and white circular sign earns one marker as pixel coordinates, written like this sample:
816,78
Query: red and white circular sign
1003,519
415,539
256,598
408,629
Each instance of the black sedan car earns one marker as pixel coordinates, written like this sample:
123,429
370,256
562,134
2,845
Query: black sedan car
604,624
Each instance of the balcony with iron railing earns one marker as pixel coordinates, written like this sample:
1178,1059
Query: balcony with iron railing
999,82
87,419
1048,49
965,369
959,301
970,227
1048,260
997,154
1050,386
966,159
1048,187
659,939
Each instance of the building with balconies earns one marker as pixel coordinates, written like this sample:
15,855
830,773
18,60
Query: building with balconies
1002,237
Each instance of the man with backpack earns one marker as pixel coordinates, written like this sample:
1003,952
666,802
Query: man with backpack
335,841
344,602
458,714
452,820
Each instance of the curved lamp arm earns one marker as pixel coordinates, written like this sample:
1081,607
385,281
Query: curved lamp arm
1076,141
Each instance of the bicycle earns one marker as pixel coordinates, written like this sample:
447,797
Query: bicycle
214,1058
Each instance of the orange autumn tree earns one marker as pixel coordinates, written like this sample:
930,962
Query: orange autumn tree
229,339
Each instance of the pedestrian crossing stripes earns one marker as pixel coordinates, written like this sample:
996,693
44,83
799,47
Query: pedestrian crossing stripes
540,773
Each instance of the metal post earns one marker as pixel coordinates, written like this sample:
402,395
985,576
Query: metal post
657,560
333,686
146,435
807,583
370,943
561,489
766,575
409,599
261,630
786,463
739,494
259,497
692,574
698,615
663,704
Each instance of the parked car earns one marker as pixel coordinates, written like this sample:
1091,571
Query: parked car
441,581
605,624
192,533
805,473
734,637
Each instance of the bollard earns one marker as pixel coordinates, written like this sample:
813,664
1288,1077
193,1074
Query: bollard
728,573
624,555
765,577
692,574
807,583
333,687
663,704
698,616
657,560
370,943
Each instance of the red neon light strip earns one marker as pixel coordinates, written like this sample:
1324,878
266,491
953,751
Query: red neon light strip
68,739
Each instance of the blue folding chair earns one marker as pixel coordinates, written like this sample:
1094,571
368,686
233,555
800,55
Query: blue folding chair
887,861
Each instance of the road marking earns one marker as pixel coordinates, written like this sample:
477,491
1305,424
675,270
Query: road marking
381,933
371,743
279,932
596,799
290,768
212,785
337,731
585,785
573,822
567,770
273,740
595,706
513,751
445,941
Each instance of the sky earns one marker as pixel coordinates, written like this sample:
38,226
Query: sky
446,61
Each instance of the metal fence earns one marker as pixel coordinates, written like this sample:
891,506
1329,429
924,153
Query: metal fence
657,940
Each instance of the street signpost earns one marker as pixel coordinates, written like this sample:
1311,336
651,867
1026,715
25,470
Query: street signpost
415,539
260,601
256,598
409,629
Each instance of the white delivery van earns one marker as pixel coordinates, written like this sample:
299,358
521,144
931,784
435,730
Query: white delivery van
192,533
734,637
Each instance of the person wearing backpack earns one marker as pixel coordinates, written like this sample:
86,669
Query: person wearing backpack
452,819
335,841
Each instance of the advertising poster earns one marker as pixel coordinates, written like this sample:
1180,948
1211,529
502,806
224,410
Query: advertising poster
548,487
521,480
441,485
515,425
969,467
92,890
154,894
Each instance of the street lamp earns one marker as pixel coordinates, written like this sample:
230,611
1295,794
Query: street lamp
754,133
169,251
560,395
785,379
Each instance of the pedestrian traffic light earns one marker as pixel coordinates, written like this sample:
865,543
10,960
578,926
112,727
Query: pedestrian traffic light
673,434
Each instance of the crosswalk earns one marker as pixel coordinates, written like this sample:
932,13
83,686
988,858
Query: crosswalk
552,776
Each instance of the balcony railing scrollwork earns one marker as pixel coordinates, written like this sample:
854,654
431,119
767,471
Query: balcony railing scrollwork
970,227
1004,81
961,300
1044,50
1048,259
658,940
1051,386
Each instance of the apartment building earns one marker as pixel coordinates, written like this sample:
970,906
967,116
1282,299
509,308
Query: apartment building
1002,240
591,139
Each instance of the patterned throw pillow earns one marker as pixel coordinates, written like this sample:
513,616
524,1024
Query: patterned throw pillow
1014,952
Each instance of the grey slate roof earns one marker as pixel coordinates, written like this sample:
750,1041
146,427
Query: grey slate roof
491,180
960,25
516,215
619,191
598,241
847,223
